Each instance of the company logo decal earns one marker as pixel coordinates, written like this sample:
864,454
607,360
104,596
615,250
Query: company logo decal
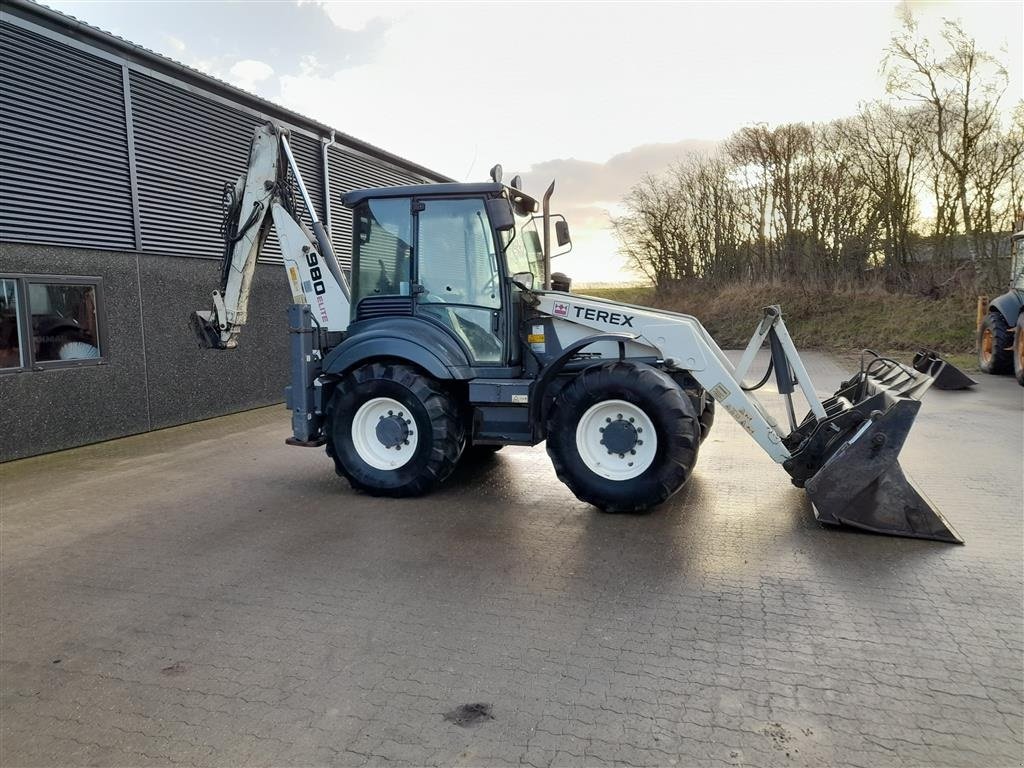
561,309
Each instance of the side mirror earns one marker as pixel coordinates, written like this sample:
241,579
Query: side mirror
524,278
562,233
500,213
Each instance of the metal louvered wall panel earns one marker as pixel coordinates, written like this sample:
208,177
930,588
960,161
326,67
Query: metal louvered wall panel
64,170
186,147
348,171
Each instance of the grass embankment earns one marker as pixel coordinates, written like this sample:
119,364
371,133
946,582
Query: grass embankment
842,322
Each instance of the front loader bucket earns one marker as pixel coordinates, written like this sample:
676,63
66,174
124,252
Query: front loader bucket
946,375
860,482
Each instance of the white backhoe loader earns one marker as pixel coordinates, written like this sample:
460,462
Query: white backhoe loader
449,339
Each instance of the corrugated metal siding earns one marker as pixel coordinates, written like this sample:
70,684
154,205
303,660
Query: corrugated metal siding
350,171
186,147
64,173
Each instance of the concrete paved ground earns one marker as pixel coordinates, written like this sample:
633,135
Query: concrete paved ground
205,595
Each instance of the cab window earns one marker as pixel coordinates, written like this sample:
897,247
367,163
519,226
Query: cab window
382,249
458,273
523,251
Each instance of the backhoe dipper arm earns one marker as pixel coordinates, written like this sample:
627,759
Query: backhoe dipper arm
259,198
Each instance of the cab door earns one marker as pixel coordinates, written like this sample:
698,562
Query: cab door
458,282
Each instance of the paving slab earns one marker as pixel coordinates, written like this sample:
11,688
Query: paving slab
206,595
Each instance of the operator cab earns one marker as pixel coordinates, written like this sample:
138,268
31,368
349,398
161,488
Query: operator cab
454,255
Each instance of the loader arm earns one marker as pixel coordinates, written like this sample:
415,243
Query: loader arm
685,345
844,451
259,199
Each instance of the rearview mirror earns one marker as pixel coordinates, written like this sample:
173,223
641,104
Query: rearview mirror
500,213
524,278
562,233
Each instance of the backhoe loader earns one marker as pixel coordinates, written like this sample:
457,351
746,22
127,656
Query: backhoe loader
448,338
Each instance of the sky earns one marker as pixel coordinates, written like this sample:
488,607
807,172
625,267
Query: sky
593,95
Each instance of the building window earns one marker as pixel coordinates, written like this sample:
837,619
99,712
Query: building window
49,321
11,345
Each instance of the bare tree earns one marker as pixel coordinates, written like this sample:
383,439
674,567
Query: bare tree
961,86
886,148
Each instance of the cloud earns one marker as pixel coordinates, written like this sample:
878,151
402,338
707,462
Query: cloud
248,72
590,188
356,17
587,192
177,44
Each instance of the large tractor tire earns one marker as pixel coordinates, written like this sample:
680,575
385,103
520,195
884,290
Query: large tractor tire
623,436
393,431
994,341
1018,350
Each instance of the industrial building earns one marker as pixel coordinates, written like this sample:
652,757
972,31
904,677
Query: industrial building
112,164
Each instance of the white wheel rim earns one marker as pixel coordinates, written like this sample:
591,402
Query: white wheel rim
366,437
611,464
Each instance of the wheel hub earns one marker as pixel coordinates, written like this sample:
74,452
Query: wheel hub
619,436
616,440
384,433
393,429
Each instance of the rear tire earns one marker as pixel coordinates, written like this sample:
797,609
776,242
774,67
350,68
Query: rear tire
994,340
600,436
1018,350
393,431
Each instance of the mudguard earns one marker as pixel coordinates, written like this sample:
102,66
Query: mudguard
1008,305
417,341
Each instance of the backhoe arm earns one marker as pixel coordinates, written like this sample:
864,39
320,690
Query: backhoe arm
258,199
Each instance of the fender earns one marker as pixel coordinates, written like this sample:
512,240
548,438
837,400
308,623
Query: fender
1008,305
405,338
540,386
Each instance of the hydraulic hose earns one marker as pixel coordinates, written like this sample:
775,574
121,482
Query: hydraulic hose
764,379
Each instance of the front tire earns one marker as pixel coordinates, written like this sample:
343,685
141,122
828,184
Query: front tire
994,340
623,436
393,431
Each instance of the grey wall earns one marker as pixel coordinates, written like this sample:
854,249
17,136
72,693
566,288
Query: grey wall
92,156
155,375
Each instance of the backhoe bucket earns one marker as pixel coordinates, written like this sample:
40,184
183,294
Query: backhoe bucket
946,375
860,482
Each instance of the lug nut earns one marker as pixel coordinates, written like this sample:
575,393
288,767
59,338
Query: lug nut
632,452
